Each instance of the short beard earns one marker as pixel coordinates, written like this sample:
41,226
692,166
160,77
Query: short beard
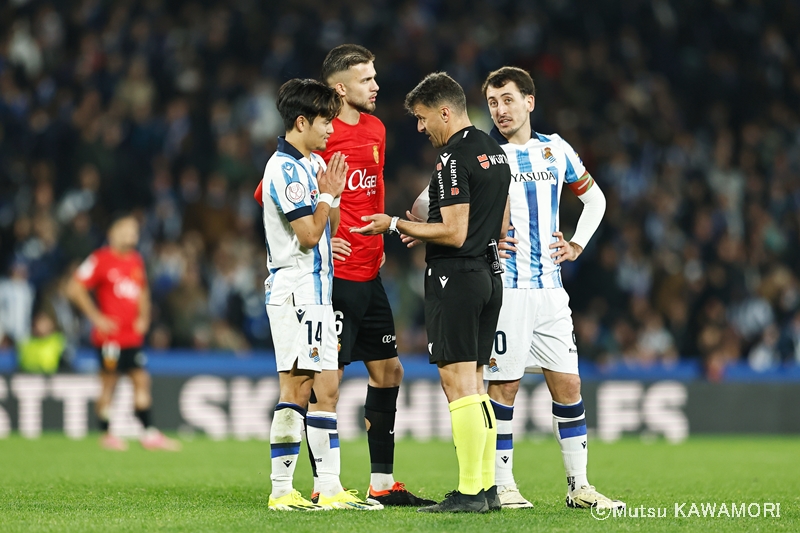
363,107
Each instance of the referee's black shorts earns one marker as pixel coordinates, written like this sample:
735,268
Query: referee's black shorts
462,304
364,321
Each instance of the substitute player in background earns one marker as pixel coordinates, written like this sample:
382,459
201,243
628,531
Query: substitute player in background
364,318
533,293
300,198
120,318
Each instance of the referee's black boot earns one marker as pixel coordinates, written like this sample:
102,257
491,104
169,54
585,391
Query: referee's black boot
455,502
492,499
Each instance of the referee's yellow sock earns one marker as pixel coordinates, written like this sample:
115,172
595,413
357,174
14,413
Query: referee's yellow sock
489,451
469,436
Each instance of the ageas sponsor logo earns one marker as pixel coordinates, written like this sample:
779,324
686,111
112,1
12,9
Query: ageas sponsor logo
359,179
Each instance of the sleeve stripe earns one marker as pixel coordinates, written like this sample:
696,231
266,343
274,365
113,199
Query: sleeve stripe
299,213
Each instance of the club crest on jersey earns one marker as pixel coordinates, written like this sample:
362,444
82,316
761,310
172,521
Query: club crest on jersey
454,191
493,365
314,354
295,192
548,154
375,154
484,161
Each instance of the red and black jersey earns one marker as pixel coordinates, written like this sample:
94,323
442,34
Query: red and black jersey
117,281
364,147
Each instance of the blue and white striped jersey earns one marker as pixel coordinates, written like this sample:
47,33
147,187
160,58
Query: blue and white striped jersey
539,170
290,192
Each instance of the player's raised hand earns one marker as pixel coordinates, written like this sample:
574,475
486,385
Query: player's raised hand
507,245
564,251
340,248
332,179
378,223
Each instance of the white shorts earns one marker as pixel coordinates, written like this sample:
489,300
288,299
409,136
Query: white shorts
534,331
306,334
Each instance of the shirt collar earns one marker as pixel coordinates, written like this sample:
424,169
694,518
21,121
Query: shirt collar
497,136
287,148
460,134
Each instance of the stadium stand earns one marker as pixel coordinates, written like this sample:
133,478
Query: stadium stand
685,112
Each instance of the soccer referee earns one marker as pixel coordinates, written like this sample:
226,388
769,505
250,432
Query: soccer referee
463,293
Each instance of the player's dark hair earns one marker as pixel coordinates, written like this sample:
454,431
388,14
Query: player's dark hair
342,58
119,216
308,98
437,89
503,75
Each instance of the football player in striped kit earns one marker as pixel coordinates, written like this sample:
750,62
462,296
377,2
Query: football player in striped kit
533,294
300,197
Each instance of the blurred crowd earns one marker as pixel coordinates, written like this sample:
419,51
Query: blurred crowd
686,113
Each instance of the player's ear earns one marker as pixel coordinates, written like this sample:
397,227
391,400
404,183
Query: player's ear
340,89
444,112
531,103
300,123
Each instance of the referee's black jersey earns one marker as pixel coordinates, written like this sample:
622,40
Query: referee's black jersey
471,168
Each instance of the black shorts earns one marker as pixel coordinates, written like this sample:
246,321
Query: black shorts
116,359
462,304
364,321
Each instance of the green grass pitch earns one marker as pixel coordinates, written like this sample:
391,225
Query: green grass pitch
55,484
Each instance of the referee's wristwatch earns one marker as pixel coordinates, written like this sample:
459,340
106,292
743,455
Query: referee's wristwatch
393,226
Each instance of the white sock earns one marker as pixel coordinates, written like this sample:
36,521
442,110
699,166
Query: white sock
323,439
285,436
569,427
381,482
504,457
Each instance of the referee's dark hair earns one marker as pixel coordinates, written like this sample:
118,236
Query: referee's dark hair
308,98
342,58
437,89
503,75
